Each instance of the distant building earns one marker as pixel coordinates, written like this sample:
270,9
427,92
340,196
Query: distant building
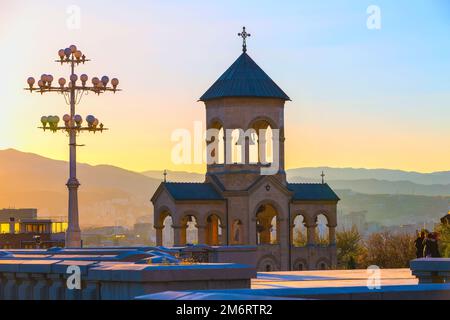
143,230
354,219
22,229
18,214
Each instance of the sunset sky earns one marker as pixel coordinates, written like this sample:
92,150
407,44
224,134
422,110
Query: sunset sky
360,97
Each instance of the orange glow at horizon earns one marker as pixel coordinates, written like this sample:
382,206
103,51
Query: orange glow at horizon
162,77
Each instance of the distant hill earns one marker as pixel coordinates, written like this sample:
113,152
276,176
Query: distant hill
113,196
439,178
374,186
108,195
175,176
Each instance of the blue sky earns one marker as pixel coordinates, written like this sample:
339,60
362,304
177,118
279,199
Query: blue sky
362,98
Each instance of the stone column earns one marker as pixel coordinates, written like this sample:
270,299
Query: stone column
159,235
332,235
311,232
281,149
25,288
10,286
57,288
227,140
178,235
247,150
40,289
201,233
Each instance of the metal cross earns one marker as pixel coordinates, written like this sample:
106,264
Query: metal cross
323,176
244,36
165,175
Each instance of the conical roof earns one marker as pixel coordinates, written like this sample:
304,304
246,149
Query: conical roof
244,78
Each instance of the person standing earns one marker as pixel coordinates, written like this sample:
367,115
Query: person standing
419,244
431,248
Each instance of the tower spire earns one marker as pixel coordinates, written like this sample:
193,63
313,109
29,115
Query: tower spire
244,36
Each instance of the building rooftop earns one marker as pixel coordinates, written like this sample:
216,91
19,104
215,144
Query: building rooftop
244,78
192,191
312,192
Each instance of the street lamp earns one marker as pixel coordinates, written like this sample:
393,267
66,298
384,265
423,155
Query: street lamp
72,93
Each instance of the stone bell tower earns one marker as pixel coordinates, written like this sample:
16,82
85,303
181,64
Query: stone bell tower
247,107
245,199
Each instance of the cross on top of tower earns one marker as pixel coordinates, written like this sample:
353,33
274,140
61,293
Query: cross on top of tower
165,175
323,176
244,36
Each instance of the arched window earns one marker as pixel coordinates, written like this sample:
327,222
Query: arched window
299,234
267,228
190,230
322,233
213,230
167,232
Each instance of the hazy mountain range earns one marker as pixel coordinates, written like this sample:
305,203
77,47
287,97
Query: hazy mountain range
111,195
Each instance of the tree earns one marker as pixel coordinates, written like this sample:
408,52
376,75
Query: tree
299,238
389,250
443,230
349,248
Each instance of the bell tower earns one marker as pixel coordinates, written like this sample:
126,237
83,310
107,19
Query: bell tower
245,112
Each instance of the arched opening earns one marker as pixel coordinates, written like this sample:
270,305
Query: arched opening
321,235
300,265
236,232
322,265
189,232
213,230
264,146
167,231
267,226
299,233
215,143
267,264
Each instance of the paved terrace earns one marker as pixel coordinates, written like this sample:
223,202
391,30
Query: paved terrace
329,284
330,278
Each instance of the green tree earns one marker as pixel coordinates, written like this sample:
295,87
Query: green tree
443,230
349,248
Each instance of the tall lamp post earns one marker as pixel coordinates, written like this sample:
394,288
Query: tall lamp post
72,93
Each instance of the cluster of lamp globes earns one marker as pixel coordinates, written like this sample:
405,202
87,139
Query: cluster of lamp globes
71,51
65,55
51,122
46,80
